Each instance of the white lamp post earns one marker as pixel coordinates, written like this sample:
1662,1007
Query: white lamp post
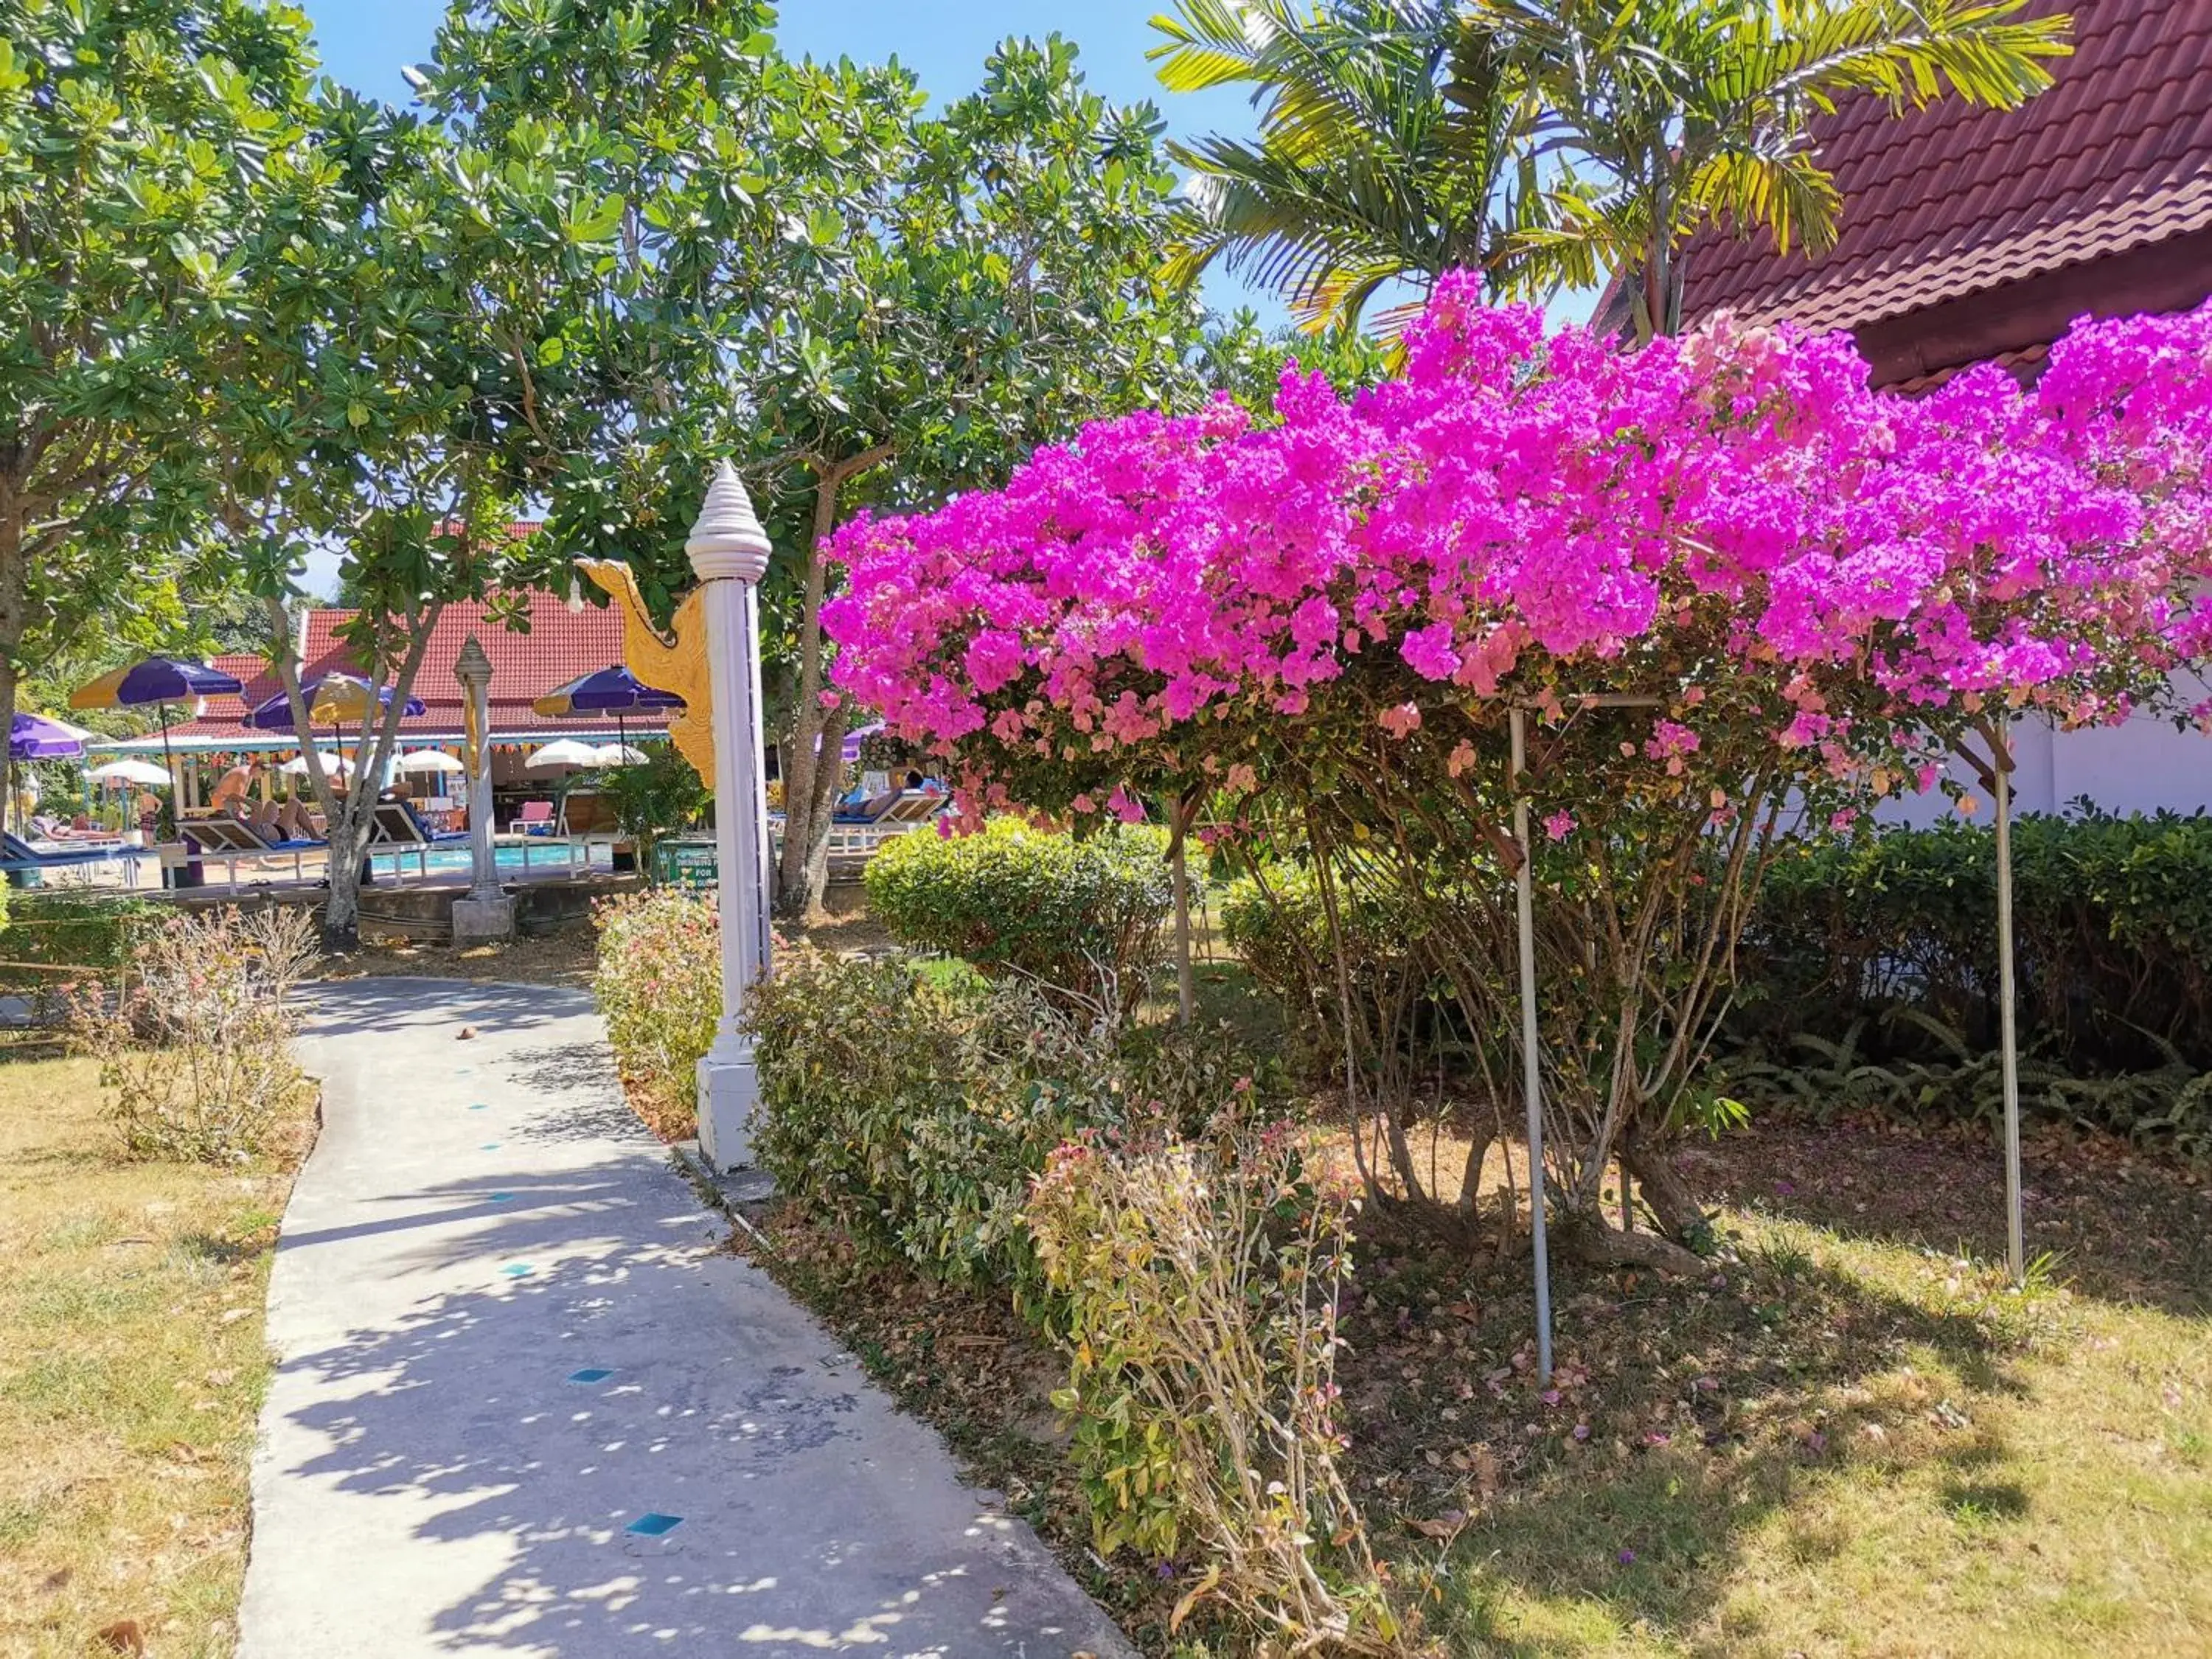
487,913
729,552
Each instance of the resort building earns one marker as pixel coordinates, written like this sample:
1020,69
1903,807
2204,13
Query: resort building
565,638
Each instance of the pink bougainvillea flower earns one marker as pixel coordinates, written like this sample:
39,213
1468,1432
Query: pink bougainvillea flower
1401,721
1731,527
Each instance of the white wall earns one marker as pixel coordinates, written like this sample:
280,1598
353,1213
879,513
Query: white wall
2142,766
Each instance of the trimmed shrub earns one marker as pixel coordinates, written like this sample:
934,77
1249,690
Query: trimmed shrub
868,1117
914,1110
659,983
198,1047
2113,931
1082,917
1276,924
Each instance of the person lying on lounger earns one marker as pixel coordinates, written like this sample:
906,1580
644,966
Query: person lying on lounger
294,824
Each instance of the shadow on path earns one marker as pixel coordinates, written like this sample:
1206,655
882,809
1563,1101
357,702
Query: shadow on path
527,1404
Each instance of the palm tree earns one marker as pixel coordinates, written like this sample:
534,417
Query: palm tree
1386,152
1662,116
1548,142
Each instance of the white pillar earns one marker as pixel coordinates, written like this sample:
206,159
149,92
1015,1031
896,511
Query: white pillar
729,552
487,913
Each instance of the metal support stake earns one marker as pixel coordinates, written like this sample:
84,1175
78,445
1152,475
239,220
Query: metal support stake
1532,1080
1186,986
2008,1030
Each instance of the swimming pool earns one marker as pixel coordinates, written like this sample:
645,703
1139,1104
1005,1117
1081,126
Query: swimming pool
545,857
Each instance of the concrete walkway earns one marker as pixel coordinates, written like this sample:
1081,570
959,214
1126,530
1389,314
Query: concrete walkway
526,1406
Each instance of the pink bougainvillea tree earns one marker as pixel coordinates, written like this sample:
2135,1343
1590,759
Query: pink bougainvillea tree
1740,595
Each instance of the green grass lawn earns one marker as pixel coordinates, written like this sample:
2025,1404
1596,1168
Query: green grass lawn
132,1367
1854,1438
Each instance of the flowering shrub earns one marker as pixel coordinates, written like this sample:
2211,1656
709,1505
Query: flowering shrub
199,1045
1739,595
659,983
1073,915
1555,517
1200,1288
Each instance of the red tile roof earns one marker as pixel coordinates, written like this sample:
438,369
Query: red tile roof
561,644
2024,365
1952,199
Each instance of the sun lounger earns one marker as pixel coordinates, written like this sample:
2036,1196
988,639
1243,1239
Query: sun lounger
25,860
536,817
56,833
225,834
222,835
398,824
913,807
870,811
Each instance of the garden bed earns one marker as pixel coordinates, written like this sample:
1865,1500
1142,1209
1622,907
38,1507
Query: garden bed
1850,1437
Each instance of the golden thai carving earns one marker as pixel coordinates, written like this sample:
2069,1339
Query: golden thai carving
675,661
473,732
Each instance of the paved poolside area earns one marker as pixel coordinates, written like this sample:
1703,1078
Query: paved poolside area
527,1404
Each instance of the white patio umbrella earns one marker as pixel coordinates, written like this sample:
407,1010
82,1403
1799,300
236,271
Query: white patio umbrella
566,751
297,766
428,760
128,771
617,754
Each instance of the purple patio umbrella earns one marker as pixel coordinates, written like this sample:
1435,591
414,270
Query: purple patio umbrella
34,737
159,681
339,696
614,692
849,750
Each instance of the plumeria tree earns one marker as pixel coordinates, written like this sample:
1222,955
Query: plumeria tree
1738,596
400,387
134,143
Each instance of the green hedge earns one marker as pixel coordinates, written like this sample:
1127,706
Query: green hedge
2113,929
1866,976
51,933
914,1110
1027,903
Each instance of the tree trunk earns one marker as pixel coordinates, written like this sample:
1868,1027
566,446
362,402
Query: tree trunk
1179,862
14,585
814,763
347,819
1585,1237
1665,1193
342,912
